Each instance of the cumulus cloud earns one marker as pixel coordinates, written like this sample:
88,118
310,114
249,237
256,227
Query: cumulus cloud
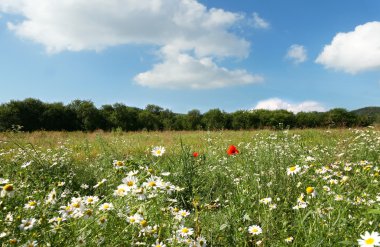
182,27
185,71
279,104
259,22
355,51
297,53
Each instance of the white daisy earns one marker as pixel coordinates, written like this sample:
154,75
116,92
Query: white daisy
158,244
118,164
200,241
122,190
338,198
84,186
289,239
135,219
30,205
266,200
130,182
52,197
309,158
293,170
31,243
4,181
27,224
185,231
153,183
7,190
179,215
90,200
106,207
311,191
255,230
26,164
369,239
100,183
158,151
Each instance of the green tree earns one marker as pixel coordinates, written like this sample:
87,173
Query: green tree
193,120
214,119
88,116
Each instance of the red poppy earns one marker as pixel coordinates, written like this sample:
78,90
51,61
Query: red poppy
232,150
195,154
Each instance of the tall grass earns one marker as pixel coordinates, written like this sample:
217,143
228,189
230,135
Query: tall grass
180,200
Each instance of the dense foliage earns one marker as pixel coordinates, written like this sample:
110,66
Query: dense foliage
34,114
372,112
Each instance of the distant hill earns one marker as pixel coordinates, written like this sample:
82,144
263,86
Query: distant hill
371,112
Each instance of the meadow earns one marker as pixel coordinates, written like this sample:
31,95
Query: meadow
226,188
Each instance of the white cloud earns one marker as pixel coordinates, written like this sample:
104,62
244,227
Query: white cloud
297,53
355,51
183,28
185,71
259,22
94,25
279,104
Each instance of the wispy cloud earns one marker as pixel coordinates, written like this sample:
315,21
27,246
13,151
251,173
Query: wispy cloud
179,28
355,51
297,53
279,104
259,22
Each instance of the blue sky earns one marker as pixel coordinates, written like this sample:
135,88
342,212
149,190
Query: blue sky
186,54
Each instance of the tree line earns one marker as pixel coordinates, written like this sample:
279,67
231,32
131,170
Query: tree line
83,115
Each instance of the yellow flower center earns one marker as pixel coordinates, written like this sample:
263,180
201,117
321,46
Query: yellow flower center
255,230
292,169
119,163
370,241
76,205
152,184
144,223
185,230
8,187
32,203
130,183
309,190
89,200
367,167
106,206
13,241
158,152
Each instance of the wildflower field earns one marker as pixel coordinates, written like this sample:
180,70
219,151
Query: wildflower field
228,188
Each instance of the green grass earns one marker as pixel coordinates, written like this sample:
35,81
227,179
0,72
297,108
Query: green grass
221,194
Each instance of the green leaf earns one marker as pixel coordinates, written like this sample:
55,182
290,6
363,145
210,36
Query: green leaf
346,242
306,215
374,211
222,227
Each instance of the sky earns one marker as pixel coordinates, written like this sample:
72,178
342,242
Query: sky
193,54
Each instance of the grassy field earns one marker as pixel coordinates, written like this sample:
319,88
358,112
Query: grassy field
280,188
